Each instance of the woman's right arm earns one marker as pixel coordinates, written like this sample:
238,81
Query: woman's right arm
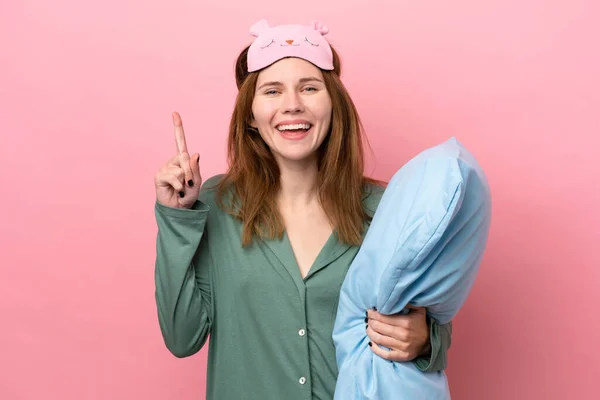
182,278
182,268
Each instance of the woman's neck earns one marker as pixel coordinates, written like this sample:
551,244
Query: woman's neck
298,185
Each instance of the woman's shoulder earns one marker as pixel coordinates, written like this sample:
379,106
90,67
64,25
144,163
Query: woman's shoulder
209,189
372,193
212,182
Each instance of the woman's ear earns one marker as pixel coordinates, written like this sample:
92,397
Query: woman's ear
252,121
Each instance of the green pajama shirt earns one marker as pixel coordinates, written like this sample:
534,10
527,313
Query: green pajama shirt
270,330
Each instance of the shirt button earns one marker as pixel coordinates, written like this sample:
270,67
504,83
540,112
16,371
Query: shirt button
302,380
301,332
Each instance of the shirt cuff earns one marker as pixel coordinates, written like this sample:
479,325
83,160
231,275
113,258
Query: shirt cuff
439,336
192,212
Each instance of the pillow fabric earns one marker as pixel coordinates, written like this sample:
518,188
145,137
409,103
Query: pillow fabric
423,248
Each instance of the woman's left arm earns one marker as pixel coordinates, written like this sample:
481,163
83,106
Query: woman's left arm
410,337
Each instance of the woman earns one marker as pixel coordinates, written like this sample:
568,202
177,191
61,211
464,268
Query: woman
256,256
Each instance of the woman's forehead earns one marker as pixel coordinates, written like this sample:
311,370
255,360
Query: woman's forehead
289,70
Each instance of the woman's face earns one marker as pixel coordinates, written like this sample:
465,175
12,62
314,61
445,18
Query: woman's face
292,109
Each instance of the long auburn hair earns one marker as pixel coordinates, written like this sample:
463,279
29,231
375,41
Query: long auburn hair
252,178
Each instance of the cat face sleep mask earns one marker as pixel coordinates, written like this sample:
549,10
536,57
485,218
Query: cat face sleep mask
282,41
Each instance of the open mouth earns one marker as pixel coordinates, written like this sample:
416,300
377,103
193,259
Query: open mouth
294,127
294,131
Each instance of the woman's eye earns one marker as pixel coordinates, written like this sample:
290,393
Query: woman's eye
272,91
310,89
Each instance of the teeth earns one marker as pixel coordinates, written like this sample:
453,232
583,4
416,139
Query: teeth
293,127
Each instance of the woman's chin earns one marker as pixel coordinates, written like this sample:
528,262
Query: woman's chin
296,155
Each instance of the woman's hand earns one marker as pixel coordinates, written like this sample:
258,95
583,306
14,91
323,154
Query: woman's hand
406,335
178,181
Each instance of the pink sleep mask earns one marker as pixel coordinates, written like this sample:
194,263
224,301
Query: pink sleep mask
302,41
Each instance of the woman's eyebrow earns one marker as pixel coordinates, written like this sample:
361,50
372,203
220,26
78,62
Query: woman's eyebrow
302,80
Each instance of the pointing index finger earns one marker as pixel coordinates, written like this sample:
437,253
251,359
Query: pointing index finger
179,135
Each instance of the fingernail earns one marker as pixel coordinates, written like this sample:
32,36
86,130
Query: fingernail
370,344
366,319
181,194
374,308
191,183
367,327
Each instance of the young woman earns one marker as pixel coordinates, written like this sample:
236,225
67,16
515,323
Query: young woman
256,257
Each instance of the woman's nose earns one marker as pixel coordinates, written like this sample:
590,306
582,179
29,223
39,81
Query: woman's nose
292,102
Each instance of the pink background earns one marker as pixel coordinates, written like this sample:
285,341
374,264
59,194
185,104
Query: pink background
86,94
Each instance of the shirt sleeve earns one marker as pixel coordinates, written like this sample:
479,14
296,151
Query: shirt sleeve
440,340
183,290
